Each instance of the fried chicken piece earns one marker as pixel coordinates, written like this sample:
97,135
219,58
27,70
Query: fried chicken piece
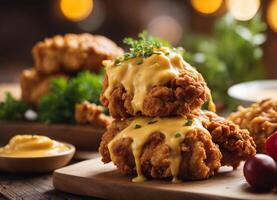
179,96
200,157
260,119
234,143
34,85
73,52
90,113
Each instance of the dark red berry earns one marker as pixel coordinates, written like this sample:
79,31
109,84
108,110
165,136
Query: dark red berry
260,171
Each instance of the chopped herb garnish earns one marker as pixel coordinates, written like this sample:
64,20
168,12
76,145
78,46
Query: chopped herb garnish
167,53
188,123
144,47
139,62
137,126
117,62
178,134
152,121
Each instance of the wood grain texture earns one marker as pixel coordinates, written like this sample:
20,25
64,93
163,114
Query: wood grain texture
93,178
35,187
26,187
83,137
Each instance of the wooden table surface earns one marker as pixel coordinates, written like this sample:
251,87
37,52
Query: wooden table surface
36,187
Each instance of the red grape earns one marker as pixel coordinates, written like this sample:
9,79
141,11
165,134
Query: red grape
271,146
260,171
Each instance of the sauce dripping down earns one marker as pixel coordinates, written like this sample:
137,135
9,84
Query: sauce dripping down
139,75
174,129
211,105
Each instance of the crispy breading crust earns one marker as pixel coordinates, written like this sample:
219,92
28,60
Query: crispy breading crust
73,52
34,85
260,119
90,113
197,149
235,144
180,96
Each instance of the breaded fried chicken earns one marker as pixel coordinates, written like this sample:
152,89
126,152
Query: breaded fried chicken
73,53
90,113
260,119
197,149
234,143
34,85
173,94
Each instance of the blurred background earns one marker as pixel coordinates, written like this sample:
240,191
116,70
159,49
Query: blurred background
229,41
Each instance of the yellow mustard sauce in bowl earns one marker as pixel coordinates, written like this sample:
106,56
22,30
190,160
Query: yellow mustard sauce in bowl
33,146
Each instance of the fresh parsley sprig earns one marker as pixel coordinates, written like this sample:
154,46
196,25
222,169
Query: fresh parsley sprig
144,46
12,109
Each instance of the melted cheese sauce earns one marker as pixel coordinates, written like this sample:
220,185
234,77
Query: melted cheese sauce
139,75
211,105
174,129
32,146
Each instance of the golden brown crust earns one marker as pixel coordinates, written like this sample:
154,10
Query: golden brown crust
34,85
260,119
235,144
73,52
197,149
90,113
180,96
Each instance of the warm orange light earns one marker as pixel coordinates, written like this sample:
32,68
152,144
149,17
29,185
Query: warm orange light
76,10
243,10
206,6
272,15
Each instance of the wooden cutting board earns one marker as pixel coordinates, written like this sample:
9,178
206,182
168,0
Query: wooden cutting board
93,178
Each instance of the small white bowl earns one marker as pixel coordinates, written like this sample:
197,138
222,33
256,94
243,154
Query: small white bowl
249,92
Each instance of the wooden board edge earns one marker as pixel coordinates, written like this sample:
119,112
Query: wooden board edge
118,190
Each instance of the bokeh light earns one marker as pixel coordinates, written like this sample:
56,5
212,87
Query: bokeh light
206,6
95,19
167,27
76,10
272,15
243,10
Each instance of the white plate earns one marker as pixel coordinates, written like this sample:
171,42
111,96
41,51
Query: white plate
253,91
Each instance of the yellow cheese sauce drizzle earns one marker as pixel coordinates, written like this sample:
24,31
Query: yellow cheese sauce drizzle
32,146
211,105
138,75
174,129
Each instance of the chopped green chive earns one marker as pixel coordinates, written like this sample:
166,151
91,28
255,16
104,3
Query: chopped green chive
167,53
139,62
117,62
137,126
152,121
178,134
188,123
157,53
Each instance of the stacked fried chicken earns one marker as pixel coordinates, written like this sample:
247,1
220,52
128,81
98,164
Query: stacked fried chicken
159,129
65,56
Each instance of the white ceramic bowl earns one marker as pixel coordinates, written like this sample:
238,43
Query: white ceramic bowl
249,92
